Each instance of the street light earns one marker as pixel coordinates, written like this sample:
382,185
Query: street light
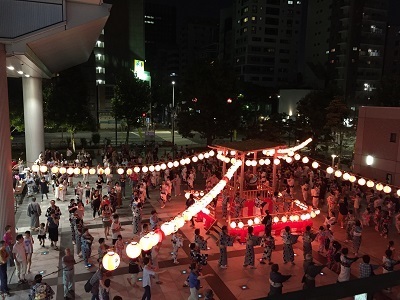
369,160
173,119
333,159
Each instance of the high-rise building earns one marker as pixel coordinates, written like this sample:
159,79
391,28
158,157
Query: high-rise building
392,51
266,39
345,44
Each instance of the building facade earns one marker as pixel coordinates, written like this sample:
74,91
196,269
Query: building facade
346,45
378,134
392,51
266,39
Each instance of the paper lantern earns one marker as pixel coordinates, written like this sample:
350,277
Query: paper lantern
289,160
370,183
154,238
338,173
182,162
100,171
54,170
194,159
313,214
352,178
146,243
107,171
305,160
160,235
212,153
284,219
92,171
303,217
387,189
346,176
296,218
163,166
257,220
233,161
361,181
201,156
315,165
227,160
291,218
206,210
206,155
120,171
276,219
111,260
240,225
398,192
77,171
277,161
201,193
379,187
85,171
290,153
170,164
308,216
151,168
261,162
157,168
233,152
176,164
250,222
187,195
187,160
317,212
167,228
136,169
267,161
35,168
233,224
297,156
145,169
43,169
248,163
187,216
70,171
329,170
133,249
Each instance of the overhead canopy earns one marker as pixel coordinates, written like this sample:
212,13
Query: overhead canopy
254,145
56,35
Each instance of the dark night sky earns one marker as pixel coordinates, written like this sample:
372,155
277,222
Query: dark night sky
394,12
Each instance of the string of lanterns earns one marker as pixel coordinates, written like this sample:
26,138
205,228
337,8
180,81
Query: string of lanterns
111,259
121,170
290,157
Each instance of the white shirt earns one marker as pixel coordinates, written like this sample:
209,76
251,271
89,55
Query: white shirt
19,251
146,276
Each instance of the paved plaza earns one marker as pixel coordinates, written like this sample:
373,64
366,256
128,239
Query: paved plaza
235,282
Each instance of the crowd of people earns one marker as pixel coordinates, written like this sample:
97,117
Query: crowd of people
350,207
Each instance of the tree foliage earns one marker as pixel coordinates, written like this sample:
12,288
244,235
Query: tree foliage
205,107
312,110
66,103
131,99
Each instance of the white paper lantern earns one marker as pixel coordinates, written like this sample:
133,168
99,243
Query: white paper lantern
352,178
35,168
163,166
145,169
170,164
346,176
92,171
43,169
297,156
136,169
194,159
201,156
370,183
387,189
361,181
329,170
54,170
146,243
240,225
379,187
176,164
338,173
248,163
70,171
129,171
167,228
77,171
111,260
107,171
289,160
157,168
305,160
267,161
133,250
277,161
233,224
206,155
151,168
120,171
315,164
100,171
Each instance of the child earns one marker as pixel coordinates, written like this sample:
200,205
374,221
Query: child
321,238
28,243
366,217
42,234
268,242
333,256
105,291
349,227
119,246
133,269
87,191
177,242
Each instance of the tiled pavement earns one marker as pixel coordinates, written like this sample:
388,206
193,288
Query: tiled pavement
227,284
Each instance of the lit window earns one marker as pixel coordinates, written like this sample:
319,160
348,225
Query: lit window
245,20
298,2
327,51
290,2
355,48
333,50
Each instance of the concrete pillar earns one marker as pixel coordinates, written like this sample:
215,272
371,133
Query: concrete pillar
33,118
7,216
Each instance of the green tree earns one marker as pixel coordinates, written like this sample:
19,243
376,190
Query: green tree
312,115
66,103
16,105
131,99
205,107
339,123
